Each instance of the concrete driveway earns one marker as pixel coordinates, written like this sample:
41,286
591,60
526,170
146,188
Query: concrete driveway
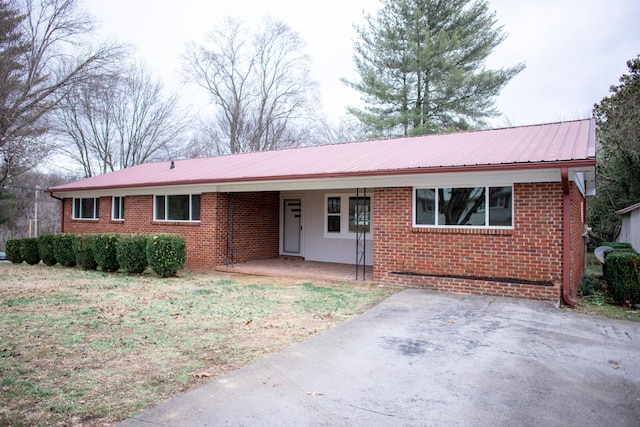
432,359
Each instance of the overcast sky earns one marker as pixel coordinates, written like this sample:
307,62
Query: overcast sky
574,50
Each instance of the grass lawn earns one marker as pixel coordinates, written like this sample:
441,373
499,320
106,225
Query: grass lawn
88,348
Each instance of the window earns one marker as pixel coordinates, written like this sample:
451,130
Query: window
85,208
359,210
117,211
184,207
333,214
347,214
464,207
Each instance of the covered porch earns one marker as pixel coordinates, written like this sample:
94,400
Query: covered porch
283,267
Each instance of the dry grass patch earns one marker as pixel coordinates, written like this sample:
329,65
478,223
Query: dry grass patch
88,348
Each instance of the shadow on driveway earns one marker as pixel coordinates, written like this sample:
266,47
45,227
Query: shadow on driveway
424,358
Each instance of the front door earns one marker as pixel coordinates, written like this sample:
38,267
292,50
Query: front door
292,226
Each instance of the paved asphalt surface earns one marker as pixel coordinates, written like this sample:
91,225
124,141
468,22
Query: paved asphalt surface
433,359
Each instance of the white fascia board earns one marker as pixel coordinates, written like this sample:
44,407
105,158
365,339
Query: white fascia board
451,179
139,191
408,180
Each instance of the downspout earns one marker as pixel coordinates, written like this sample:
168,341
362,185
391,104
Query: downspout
566,239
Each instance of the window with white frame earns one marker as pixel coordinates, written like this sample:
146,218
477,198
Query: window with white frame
346,214
463,207
182,207
117,210
86,208
333,214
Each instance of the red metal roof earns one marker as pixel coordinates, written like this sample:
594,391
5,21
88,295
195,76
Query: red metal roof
524,147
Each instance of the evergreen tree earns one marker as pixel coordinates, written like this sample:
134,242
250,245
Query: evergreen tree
618,158
421,67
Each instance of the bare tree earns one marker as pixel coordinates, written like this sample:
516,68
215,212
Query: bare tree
26,210
259,84
344,129
120,121
44,51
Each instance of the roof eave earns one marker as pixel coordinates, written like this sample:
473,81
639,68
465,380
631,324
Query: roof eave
580,163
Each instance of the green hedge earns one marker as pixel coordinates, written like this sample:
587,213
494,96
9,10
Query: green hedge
29,250
104,249
618,245
46,248
623,276
131,251
65,249
166,254
84,252
12,250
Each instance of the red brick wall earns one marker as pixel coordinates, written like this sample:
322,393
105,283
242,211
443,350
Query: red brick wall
256,221
255,227
531,251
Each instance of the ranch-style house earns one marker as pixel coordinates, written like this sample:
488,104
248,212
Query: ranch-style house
494,212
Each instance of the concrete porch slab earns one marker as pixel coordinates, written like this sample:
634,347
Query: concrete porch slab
302,269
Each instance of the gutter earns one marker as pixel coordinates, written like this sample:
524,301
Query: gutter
582,163
566,239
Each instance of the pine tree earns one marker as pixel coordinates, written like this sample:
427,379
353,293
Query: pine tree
618,170
421,66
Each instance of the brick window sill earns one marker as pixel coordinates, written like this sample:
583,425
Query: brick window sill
177,223
461,230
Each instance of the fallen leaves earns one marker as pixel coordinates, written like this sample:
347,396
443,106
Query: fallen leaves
202,375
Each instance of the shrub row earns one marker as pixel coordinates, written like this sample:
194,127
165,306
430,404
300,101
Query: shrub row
622,273
164,253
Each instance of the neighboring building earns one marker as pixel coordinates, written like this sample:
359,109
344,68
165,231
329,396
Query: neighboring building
630,230
495,212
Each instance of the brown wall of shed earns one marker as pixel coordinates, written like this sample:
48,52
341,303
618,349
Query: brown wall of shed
255,226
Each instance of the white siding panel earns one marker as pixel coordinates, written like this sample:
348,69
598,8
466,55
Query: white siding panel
316,246
630,231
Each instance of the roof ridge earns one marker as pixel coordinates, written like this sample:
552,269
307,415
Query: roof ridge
390,138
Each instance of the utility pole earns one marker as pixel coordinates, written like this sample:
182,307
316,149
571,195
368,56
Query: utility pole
35,215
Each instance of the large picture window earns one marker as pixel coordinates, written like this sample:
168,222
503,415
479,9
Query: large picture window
183,207
464,207
86,208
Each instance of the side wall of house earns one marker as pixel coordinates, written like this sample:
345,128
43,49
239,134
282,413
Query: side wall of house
525,261
255,226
